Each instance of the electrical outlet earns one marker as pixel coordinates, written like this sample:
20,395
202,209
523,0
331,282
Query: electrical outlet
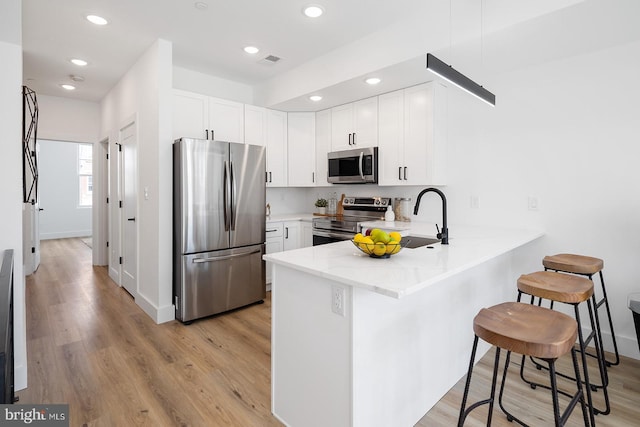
533,203
337,299
475,202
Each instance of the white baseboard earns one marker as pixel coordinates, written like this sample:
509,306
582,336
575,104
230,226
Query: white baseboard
65,234
158,314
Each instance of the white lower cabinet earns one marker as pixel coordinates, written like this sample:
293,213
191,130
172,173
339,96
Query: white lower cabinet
306,234
281,236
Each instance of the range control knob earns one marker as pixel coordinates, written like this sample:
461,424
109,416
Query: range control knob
384,202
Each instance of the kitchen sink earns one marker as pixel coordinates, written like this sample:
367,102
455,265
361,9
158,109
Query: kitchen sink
413,242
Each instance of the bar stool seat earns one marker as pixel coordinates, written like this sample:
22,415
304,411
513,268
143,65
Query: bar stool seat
574,290
587,266
571,263
528,330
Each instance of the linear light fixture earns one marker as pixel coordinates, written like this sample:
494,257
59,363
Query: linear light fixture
448,73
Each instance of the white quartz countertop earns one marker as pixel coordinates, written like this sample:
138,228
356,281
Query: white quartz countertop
410,270
290,217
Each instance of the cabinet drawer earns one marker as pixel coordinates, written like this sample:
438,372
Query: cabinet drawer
273,229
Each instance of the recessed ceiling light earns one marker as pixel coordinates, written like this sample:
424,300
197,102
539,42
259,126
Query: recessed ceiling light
68,87
76,78
315,98
313,10
98,20
372,80
79,62
251,49
200,5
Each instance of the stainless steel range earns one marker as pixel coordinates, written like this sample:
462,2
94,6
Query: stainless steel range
330,229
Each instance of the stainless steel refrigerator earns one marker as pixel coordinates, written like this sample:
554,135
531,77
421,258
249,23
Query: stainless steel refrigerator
218,226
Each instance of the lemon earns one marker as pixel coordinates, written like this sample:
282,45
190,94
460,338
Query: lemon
393,247
358,238
395,236
379,249
366,244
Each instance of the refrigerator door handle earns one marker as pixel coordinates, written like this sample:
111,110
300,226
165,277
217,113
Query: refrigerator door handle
226,192
233,198
223,257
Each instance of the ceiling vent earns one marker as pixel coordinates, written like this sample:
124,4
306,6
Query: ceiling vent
269,60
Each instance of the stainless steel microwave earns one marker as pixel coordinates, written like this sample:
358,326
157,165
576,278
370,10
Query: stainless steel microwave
359,166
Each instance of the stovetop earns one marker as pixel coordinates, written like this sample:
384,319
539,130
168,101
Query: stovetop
355,210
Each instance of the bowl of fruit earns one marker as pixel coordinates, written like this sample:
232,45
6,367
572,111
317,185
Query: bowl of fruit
378,243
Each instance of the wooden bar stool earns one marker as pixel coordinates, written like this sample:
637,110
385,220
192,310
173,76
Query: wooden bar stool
573,290
528,330
586,266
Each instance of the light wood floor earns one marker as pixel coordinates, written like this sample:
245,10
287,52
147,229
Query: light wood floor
89,345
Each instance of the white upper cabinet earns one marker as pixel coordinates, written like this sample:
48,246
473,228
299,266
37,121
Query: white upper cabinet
355,125
190,115
276,137
255,125
205,117
323,146
301,140
226,120
412,141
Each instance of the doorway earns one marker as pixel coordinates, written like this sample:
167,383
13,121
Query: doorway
66,190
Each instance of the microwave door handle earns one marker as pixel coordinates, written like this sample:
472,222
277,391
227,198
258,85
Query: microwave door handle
361,163
226,196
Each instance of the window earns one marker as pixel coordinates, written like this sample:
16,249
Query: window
85,174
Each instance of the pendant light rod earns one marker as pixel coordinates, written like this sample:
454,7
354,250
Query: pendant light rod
448,73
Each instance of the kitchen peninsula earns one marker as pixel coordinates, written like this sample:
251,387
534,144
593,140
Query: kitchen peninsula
359,341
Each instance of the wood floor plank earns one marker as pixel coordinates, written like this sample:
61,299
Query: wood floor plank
90,345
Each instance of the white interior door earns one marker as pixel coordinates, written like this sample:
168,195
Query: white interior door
128,139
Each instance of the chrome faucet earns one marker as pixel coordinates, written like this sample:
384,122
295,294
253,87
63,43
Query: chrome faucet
443,234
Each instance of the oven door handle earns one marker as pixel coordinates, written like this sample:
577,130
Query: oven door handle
333,235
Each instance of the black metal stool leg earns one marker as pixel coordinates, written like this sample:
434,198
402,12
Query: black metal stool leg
597,304
463,411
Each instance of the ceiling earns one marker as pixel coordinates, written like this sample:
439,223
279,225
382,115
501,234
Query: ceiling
211,40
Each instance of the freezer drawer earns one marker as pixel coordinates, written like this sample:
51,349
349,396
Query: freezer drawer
215,282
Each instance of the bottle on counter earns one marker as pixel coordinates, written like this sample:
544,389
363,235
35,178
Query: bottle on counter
389,216
331,210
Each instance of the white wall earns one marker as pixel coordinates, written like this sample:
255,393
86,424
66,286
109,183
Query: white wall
207,84
62,216
11,170
64,119
567,133
144,95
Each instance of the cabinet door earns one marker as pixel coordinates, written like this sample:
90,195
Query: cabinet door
323,145
391,167
273,244
342,127
365,123
418,136
301,159
255,125
291,236
226,120
306,234
190,114
276,148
